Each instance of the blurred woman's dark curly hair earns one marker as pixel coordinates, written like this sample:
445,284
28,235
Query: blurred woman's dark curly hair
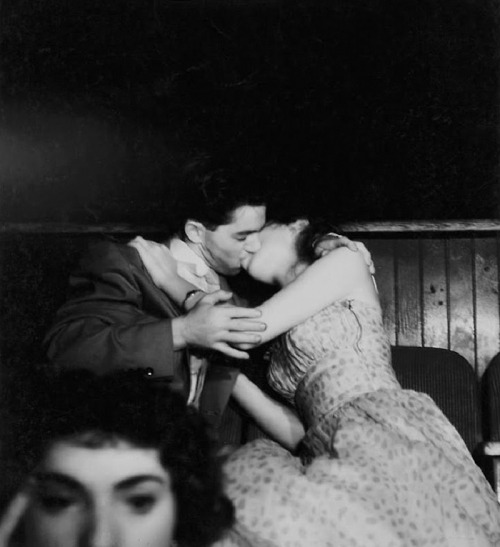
96,411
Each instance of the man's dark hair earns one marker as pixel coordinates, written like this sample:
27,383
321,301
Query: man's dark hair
94,411
210,195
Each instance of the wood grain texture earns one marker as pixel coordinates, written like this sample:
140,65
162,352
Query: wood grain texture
382,251
408,293
429,226
487,311
434,294
379,227
461,298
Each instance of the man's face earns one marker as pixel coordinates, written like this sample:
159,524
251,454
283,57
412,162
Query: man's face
226,247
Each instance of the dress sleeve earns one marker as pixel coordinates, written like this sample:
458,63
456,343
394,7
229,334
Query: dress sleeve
106,324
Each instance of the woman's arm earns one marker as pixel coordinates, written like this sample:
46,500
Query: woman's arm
278,420
338,275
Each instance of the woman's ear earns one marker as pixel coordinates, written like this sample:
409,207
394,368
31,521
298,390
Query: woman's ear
195,231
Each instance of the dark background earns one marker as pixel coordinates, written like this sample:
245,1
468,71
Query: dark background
362,109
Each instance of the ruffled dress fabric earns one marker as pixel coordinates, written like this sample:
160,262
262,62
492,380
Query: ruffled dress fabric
379,466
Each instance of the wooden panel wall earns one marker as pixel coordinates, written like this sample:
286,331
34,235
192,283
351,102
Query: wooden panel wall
440,291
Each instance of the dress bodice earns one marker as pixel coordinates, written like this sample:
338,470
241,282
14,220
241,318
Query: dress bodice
331,358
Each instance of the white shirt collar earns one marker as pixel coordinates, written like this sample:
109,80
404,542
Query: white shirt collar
192,267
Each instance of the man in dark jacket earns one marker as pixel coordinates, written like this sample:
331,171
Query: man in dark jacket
117,318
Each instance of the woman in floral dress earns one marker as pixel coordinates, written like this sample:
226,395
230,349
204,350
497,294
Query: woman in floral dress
358,461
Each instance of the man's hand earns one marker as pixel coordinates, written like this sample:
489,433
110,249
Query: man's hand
329,242
212,324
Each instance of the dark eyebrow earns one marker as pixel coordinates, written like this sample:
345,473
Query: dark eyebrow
60,478
70,482
137,479
246,232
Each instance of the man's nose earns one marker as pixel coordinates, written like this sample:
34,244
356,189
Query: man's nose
101,529
252,243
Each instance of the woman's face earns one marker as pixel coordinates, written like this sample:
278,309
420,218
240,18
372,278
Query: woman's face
276,256
114,496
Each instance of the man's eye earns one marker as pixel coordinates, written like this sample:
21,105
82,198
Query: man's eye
141,504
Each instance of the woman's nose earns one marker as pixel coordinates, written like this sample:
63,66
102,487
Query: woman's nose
101,529
252,243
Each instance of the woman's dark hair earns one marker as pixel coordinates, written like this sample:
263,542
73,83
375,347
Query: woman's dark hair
283,210
95,411
308,236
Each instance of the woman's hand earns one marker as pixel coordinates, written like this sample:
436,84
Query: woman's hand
13,515
324,244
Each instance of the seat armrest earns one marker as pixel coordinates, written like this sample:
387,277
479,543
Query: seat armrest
492,450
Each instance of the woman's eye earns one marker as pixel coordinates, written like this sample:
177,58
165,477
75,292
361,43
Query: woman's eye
54,504
141,504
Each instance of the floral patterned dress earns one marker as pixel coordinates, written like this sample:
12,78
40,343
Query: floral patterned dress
379,466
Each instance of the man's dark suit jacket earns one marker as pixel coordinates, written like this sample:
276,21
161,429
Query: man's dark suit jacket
116,318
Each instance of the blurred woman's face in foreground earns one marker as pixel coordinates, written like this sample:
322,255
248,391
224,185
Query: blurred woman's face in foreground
117,495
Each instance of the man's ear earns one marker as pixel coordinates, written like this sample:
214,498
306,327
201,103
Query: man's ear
195,231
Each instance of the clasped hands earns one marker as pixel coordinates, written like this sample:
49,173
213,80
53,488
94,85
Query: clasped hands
212,322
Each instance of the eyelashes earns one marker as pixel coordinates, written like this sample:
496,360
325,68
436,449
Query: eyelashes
141,504
53,504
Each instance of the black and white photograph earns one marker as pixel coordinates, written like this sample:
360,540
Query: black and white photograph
249,273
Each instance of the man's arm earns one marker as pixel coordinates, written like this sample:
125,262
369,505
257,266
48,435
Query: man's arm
105,324
117,318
